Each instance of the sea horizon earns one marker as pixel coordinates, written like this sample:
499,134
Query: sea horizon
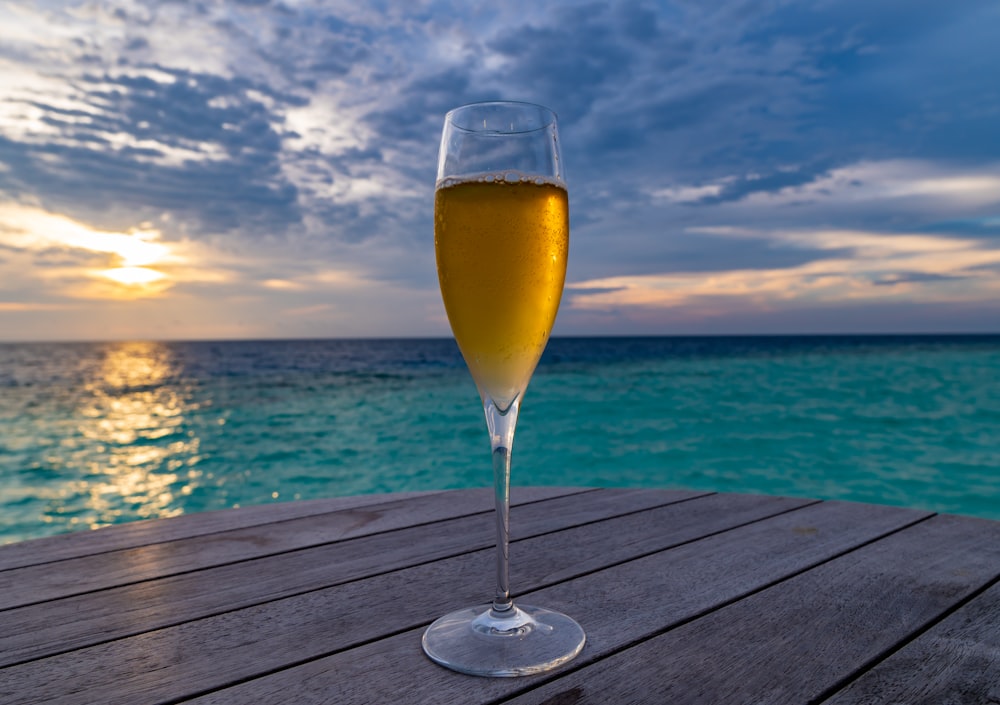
265,339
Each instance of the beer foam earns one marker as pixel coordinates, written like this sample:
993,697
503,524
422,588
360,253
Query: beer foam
500,177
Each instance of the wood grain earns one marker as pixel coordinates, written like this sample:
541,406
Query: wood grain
617,605
58,625
52,580
685,597
209,653
793,642
957,662
141,533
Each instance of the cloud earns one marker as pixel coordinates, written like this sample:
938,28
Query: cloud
919,185
742,155
73,261
154,140
574,58
864,268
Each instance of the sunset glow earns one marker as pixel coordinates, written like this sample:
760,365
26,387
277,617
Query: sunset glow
128,259
133,276
266,170
877,267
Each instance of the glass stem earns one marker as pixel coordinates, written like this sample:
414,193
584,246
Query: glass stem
501,425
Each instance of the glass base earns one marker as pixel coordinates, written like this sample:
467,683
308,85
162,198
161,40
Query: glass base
516,642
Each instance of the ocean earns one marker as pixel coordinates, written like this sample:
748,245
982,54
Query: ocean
100,433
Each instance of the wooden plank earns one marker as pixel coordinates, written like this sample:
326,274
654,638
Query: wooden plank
956,661
206,654
794,642
142,533
55,626
49,581
616,607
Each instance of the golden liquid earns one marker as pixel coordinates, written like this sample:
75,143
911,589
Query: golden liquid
501,257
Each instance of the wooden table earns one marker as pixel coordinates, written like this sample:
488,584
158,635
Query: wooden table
686,597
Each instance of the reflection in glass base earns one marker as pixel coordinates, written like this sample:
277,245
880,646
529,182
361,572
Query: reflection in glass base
521,641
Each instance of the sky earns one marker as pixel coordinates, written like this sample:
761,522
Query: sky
254,169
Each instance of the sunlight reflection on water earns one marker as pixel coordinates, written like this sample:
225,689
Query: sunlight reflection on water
132,446
134,411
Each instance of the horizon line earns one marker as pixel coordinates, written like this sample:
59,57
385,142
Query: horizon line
621,336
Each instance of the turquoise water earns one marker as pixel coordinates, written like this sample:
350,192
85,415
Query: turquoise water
95,434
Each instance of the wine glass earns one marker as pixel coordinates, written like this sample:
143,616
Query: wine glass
501,235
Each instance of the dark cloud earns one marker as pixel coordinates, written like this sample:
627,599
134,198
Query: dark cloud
416,114
899,78
567,64
136,43
336,56
757,104
702,105
187,109
980,228
911,277
744,185
638,21
588,290
657,247
809,85
227,178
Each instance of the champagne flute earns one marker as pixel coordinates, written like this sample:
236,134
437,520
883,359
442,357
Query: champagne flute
501,235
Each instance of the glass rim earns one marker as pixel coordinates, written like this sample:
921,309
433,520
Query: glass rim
550,116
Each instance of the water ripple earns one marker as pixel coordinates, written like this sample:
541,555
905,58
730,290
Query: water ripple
96,434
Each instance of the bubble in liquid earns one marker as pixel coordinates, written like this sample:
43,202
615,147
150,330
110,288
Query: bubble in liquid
511,177
489,178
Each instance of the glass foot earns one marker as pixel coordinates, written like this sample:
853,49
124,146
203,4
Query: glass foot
517,642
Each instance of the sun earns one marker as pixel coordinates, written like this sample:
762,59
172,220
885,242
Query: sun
136,263
133,276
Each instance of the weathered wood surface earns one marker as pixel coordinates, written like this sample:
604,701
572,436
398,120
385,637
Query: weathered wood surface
141,533
686,597
95,571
